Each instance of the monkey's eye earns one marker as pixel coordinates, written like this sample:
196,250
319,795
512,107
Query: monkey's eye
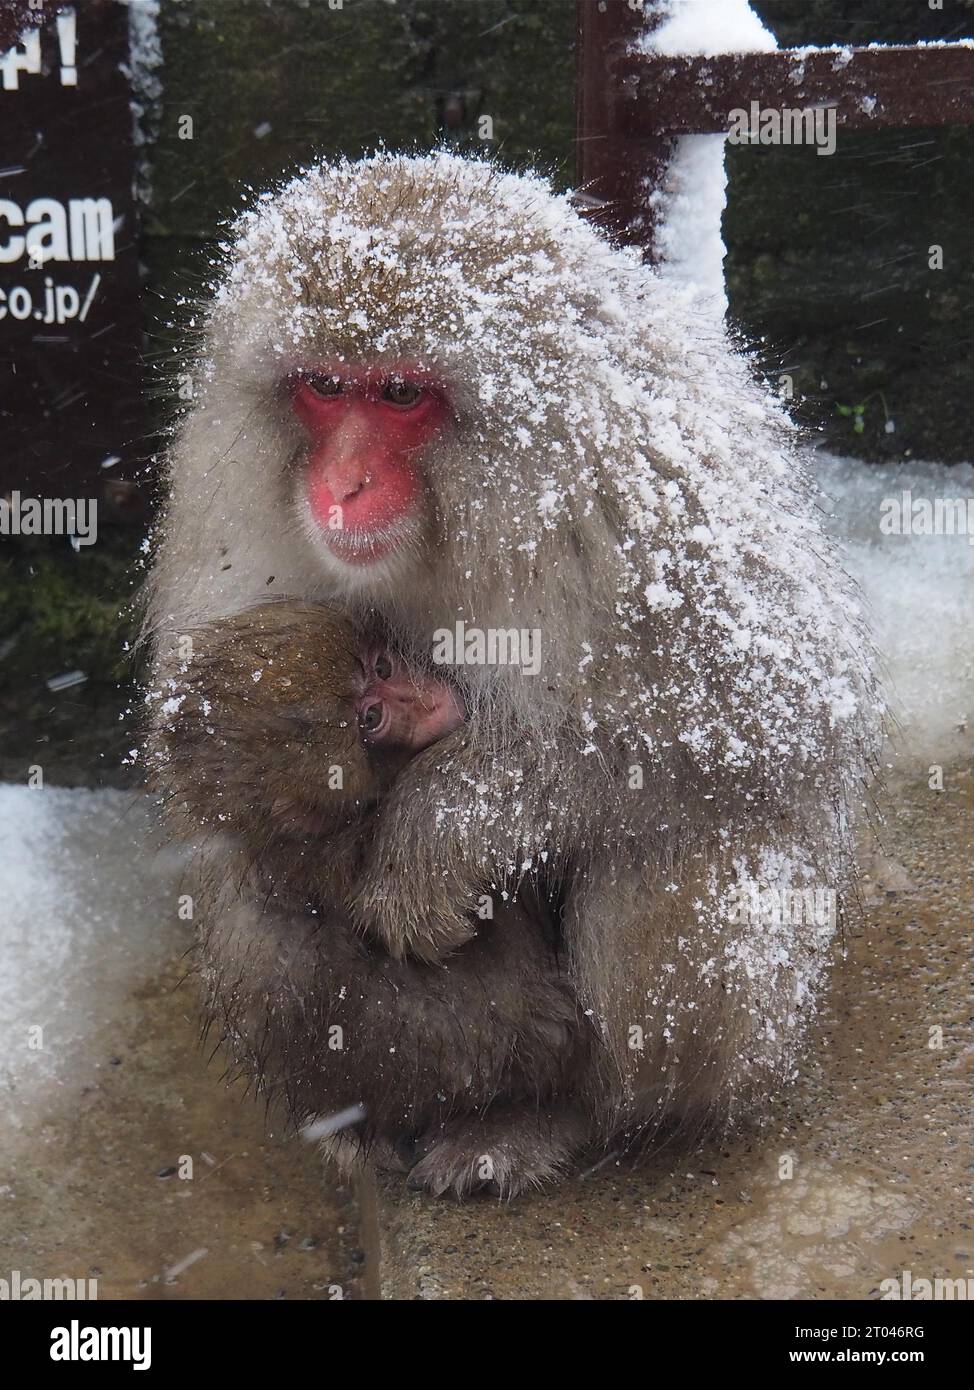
383,667
370,718
401,393
326,386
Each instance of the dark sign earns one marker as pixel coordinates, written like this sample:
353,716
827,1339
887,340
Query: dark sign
70,342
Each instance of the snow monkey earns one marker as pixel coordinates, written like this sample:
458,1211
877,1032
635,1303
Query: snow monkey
287,721
281,729
430,395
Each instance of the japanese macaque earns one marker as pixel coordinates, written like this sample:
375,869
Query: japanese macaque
281,730
432,397
288,721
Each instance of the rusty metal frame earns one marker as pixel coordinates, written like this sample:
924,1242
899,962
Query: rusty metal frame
630,108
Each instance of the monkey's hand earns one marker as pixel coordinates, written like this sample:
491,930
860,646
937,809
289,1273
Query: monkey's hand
454,827
418,891
414,915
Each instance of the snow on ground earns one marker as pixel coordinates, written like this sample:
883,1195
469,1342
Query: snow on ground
920,592
87,907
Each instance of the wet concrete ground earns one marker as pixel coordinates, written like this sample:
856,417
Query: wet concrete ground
92,1187
879,1134
100,1119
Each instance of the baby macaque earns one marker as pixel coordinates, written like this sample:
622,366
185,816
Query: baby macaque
287,721
283,730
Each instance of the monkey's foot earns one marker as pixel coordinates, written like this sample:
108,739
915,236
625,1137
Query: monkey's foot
499,1157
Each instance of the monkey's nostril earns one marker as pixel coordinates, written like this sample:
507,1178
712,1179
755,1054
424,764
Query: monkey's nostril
349,491
383,667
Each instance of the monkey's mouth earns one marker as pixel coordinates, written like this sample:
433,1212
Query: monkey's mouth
355,548
364,547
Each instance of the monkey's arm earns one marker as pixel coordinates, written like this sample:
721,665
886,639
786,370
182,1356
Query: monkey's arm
459,825
415,1046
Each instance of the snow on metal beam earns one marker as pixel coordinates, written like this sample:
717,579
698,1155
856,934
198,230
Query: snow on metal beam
882,85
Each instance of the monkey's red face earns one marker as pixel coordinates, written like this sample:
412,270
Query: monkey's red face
367,430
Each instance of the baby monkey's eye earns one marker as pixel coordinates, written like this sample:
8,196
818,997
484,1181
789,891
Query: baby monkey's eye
371,718
383,667
324,385
402,393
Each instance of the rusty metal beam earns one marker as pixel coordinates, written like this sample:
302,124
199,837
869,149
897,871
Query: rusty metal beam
609,172
927,84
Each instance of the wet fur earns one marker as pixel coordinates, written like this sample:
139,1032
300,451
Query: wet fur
492,1042
695,621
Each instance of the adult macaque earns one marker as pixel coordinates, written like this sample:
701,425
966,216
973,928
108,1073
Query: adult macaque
431,395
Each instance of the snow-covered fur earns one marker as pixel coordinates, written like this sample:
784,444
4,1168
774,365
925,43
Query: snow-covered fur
614,480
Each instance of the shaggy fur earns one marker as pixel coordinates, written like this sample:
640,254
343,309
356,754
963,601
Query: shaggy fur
611,478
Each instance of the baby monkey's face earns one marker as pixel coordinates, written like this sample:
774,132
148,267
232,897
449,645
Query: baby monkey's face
399,711
288,721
